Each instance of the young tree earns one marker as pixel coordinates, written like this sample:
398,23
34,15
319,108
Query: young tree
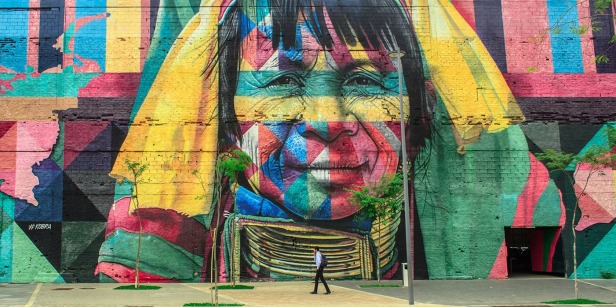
381,201
228,166
136,169
596,159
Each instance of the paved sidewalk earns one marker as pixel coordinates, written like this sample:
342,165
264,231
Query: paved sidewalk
510,292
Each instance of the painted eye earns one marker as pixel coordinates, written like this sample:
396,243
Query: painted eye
362,80
286,80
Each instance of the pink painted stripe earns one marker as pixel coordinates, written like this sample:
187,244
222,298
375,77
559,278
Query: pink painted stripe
466,8
69,17
521,53
553,249
536,183
499,268
561,85
112,85
588,48
34,25
145,30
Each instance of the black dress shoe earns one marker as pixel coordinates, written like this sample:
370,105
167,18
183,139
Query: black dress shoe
313,292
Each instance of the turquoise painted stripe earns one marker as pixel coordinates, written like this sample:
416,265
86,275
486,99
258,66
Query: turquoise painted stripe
66,84
14,32
7,214
90,40
598,140
566,45
252,83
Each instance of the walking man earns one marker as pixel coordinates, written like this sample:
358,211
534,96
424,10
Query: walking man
318,257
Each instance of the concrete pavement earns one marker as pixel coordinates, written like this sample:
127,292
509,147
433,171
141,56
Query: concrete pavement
510,292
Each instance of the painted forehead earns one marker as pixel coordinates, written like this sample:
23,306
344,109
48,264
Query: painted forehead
259,54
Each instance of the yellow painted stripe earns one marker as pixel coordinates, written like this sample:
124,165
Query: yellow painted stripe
123,36
34,295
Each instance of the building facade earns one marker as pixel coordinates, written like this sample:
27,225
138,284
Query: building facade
312,92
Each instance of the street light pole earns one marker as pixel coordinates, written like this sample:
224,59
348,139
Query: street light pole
397,55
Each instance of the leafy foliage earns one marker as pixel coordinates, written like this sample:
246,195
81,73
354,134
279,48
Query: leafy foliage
380,201
232,163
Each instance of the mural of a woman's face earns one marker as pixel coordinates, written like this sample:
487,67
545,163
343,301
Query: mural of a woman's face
317,122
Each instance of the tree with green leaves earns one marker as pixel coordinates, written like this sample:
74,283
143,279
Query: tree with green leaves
596,159
229,165
136,169
381,201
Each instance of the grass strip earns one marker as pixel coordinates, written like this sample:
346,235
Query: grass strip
574,301
132,287
212,304
236,287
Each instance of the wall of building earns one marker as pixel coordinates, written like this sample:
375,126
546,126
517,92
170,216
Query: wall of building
87,84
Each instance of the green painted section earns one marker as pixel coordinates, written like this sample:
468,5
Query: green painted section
548,209
65,84
600,139
29,264
465,200
601,258
57,152
7,208
158,256
77,237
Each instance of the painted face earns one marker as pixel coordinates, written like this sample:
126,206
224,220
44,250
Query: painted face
316,122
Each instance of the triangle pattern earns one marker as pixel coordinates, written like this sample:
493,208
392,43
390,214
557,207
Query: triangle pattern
77,206
542,135
6,253
77,241
574,137
5,127
40,136
77,137
37,254
81,268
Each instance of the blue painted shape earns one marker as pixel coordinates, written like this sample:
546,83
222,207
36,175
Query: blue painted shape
14,34
90,39
296,142
273,170
49,194
324,212
51,27
246,25
566,45
248,203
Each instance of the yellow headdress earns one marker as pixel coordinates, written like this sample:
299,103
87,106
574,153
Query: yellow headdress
175,130
462,71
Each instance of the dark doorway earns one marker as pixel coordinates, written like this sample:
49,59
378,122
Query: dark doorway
533,250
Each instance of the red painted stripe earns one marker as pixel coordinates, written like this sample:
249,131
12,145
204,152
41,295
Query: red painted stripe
521,53
553,249
588,47
466,8
561,85
178,229
537,181
34,24
124,274
112,85
499,268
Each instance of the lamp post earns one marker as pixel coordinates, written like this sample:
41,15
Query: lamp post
397,55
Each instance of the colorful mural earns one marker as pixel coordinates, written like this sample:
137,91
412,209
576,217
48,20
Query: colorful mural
308,89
